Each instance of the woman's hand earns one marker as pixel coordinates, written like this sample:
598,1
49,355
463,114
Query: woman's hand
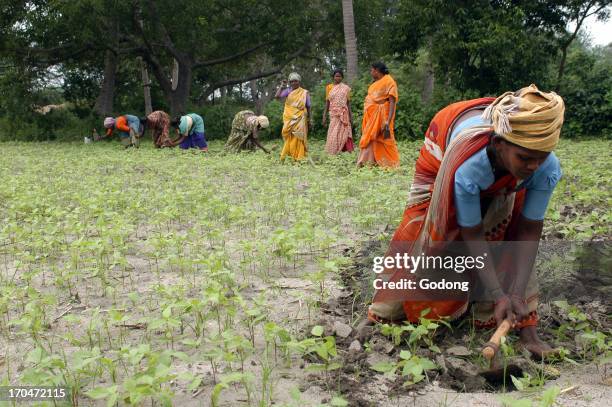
519,306
503,310
387,131
324,121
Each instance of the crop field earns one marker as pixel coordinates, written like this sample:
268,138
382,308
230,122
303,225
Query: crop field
163,277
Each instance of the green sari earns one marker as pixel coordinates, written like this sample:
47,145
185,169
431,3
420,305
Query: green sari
242,129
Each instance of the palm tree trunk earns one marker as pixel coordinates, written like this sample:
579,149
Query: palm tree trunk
350,40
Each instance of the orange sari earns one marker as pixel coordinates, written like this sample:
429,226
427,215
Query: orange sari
430,219
374,147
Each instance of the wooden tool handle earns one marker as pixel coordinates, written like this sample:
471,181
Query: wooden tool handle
502,330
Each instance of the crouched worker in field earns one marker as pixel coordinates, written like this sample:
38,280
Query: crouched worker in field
243,135
128,126
485,173
159,124
190,129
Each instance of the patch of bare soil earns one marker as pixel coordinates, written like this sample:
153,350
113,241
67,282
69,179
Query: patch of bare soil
286,296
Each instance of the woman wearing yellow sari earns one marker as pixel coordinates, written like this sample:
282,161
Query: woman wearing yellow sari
377,142
296,117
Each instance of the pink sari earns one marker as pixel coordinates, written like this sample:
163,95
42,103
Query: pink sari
339,133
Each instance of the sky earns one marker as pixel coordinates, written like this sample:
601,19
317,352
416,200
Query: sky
600,32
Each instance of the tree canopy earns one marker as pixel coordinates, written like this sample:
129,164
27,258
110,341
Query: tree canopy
197,54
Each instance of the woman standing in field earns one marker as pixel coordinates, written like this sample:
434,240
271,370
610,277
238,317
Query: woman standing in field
338,104
128,126
159,124
296,117
377,142
243,135
485,173
190,129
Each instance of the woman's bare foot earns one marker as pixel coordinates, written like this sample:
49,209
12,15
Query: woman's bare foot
531,341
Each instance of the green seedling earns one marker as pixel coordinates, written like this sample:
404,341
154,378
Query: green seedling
412,367
113,263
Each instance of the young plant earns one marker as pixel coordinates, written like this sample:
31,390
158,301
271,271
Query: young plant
412,367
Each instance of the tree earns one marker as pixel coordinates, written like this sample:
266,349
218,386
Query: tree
587,91
221,36
51,40
350,40
146,86
213,39
479,47
104,101
576,12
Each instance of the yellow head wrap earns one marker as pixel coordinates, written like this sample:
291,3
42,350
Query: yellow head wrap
528,117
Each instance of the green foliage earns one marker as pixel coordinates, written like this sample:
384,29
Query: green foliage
411,366
120,270
218,119
421,333
88,230
478,45
274,111
580,216
439,52
484,49
528,382
587,92
57,125
590,342
225,382
546,399
413,113
324,348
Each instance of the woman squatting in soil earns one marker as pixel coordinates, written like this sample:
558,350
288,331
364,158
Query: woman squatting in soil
485,173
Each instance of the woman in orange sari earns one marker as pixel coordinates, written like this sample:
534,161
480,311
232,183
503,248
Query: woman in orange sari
296,117
485,174
377,142
338,104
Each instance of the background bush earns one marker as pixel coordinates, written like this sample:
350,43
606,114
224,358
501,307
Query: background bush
587,91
